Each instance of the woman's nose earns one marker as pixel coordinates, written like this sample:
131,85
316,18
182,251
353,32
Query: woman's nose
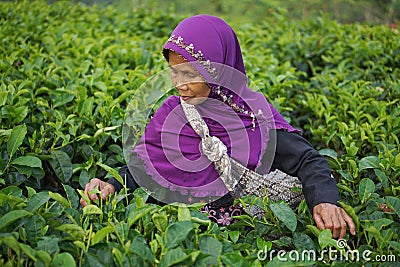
181,84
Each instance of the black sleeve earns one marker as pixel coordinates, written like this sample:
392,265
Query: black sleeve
295,156
135,169
136,166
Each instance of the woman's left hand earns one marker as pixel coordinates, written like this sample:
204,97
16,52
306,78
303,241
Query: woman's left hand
330,216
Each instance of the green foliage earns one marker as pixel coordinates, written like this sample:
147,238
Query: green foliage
66,78
67,73
254,11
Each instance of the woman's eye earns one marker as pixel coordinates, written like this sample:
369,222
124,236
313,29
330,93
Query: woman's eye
191,75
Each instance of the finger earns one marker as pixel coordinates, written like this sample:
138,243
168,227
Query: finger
107,190
336,223
90,186
343,225
83,202
349,222
318,221
329,222
88,189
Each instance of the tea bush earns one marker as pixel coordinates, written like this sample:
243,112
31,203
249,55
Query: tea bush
67,73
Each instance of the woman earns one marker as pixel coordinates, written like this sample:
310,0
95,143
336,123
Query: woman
179,159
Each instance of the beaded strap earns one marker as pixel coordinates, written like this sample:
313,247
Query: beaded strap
239,180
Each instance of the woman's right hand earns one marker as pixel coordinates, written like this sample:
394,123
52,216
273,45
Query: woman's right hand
104,188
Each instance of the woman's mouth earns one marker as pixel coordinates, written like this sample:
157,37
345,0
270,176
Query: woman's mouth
185,98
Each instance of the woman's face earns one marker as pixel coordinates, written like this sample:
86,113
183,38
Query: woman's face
189,83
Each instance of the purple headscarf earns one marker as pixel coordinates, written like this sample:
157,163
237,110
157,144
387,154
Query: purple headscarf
240,117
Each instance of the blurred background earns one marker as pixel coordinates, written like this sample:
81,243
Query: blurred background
242,11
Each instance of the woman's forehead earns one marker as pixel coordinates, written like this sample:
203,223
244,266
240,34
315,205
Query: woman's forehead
178,62
175,58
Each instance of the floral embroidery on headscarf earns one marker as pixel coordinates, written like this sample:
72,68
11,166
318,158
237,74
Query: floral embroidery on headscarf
196,54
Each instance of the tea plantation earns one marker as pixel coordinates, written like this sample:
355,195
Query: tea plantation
67,74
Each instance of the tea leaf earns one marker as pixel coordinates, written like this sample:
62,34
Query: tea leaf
35,227
183,213
395,245
80,244
140,248
366,188
30,252
117,254
378,224
370,162
37,200
153,245
234,236
91,210
31,191
10,242
328,152
16,114
84,196
72,196
375,232
325,239
61,164
3,98
285,214
86,106
61,98
173,256
177,232
59,198
49,244
346,175
113,172
63,259
30,161
121,98
303,242
210,246
16,138
11,200
397,161
160,221
84,178
43,257
12,191
12,216
234,259
23,170
138,213
394,204
101,234
75,231
350,211
15,178
284,241
382,178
